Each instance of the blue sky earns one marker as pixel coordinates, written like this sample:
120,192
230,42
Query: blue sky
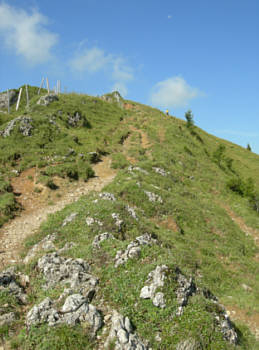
201,55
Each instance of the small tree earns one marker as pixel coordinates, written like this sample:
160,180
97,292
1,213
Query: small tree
189,119
248,147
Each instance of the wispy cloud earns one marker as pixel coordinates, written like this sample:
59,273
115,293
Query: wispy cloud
93,60
26,34
90,60
173,92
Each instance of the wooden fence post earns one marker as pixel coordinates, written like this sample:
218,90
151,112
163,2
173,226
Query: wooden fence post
19,98
27,95
47,81
41,84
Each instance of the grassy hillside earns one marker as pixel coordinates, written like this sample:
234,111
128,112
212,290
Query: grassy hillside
195,194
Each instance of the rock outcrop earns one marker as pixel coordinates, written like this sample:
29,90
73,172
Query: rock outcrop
122,334
25,126
156,279
9,283
133,249
13,94
76,309
57,269
47,99
113,97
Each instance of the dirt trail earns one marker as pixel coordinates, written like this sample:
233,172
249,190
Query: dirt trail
14,232
249,231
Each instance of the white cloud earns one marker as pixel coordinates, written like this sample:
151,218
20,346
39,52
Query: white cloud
25,34
93,60
90,60
173,92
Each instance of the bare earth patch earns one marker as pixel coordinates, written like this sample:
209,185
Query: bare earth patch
37,206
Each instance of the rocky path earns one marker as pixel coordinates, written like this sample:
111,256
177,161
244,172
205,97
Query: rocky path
14,232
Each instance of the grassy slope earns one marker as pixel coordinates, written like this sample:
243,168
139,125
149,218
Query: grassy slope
204,241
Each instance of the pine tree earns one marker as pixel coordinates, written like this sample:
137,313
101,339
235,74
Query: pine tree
189,119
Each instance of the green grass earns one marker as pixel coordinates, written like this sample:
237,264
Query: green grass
207,243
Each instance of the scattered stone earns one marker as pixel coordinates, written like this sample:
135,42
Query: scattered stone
186,288
8,282
47,99
69,219
152,197
43,313
246,287
100,238
7,319
108,196
118,222
161,171
90,221
226,326
74,119
25,126
156,279
66,247
113,97
122,333
45,244
132,212
75,310
188,344
133,249
136,168
57,269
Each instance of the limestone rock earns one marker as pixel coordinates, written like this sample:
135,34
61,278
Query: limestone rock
153,197
91,221
43,313
122,333
132,168
156,279
74,119
57,269
69,219
161,171
25,126
118,222
100,238
47,99
133,249
7,319
8,282
75,310
45,244
188,344
186,288
132,212
113,97
108,196
4,98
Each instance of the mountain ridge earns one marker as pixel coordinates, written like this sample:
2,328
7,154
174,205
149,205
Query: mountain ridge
181,198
